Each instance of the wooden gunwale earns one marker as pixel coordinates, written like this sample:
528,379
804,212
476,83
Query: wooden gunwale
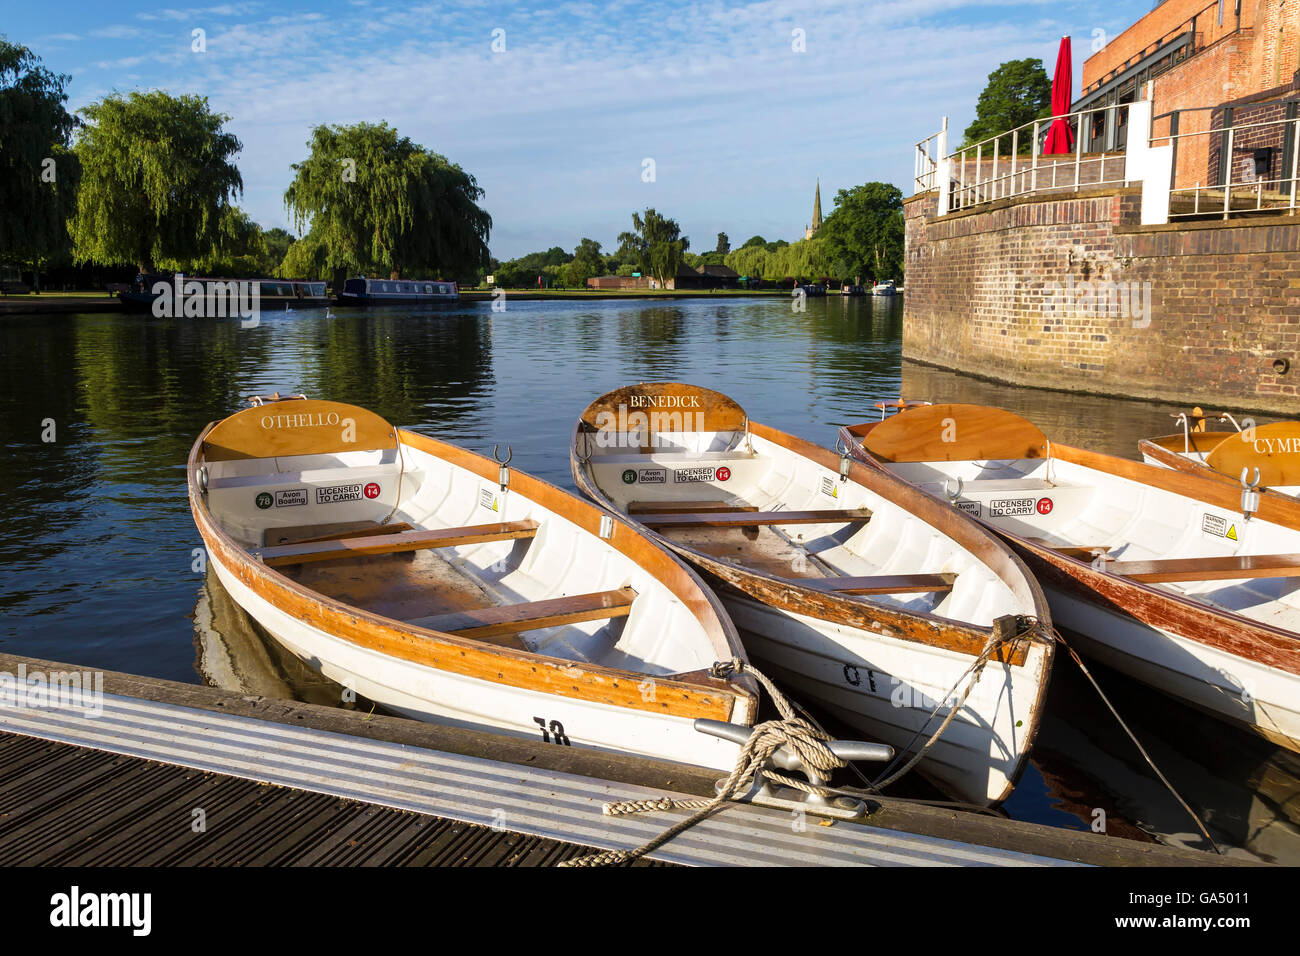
1156,449
1205,624
682,696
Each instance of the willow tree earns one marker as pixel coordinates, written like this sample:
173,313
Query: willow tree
38,173
655,244
158,180
374,201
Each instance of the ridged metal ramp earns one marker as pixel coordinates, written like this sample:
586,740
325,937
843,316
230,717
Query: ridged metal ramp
79,804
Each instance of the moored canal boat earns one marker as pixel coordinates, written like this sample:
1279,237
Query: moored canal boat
854,589
1187,584
209,297
449,587
363,291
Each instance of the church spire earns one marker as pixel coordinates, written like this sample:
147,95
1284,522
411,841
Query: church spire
817,207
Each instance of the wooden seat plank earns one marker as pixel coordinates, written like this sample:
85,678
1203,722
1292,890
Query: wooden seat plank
334,549
276,537
1209,569
745,519
1081,552
509,619
882,583
683,507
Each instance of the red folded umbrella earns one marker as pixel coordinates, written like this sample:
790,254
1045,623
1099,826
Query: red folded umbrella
1060,138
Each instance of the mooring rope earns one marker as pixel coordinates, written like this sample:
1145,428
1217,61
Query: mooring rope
1133,737
806,739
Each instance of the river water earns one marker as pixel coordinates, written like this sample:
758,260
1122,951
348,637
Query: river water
96,537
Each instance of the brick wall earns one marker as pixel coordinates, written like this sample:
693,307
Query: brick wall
1224,300
1168,20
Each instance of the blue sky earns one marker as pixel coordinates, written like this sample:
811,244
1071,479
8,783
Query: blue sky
556,127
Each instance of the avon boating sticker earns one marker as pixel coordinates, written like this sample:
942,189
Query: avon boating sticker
970,507
337,494
645,476
1010,507
1218,526
683,475
488,499
290,498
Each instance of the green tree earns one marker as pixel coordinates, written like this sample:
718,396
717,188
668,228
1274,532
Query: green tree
1018,92
276,243
724,244
754,241
38,171
158,179
863,236
375,201
655,244
586,263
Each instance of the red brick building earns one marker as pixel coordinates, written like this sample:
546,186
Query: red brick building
1212,65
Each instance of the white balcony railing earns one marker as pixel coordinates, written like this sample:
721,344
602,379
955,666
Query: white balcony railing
1241,170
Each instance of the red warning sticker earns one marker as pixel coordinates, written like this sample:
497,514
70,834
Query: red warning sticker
1044,506
724,473
372,490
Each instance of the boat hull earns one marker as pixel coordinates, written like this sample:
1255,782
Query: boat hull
1171,646
888,688
427,693
1242,670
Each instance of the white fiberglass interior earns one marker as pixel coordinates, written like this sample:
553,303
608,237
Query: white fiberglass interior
1132,521
765,476
660,636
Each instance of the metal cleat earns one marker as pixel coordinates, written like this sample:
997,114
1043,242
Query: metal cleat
763,792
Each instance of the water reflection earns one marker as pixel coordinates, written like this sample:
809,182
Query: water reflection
98,544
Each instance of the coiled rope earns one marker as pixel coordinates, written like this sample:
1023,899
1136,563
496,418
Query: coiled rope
806,739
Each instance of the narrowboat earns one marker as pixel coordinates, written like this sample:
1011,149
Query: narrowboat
178,295
362,291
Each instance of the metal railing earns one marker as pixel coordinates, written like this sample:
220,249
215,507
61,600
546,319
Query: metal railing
928,153
1013,163
1223,187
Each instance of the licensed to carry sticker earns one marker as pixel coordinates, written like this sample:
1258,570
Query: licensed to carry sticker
337,494
683,475
1010,507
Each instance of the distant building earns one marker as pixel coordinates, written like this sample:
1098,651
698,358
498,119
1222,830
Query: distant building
708,277
811,230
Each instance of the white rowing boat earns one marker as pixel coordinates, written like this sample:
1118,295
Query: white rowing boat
849,586
1266,457
449,587
1185,583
